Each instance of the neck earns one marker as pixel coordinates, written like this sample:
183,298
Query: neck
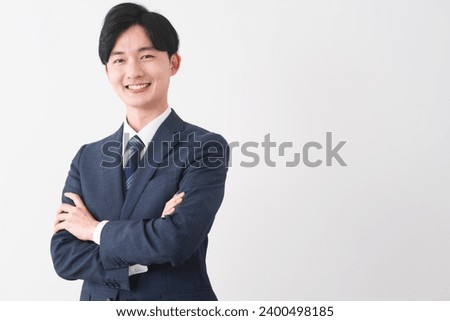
138,118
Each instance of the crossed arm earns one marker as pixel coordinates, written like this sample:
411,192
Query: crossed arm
80,223
146,242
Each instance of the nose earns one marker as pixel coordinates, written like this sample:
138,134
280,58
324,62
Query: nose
134,70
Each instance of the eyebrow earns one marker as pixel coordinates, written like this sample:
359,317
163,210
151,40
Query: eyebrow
115,53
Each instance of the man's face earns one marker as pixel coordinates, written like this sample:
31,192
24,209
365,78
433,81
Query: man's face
140,74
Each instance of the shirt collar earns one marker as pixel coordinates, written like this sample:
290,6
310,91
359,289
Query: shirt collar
146,133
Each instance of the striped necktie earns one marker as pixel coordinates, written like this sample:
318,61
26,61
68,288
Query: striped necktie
134,146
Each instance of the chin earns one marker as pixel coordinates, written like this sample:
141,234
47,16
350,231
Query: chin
142,105
137,103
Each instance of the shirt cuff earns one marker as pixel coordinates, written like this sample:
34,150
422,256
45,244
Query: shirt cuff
137,269
98,231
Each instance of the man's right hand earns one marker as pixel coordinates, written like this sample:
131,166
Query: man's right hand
172,204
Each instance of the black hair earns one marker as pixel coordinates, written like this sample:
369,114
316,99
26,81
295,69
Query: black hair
122,16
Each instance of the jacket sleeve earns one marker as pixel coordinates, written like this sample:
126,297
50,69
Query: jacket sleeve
74,259
176,237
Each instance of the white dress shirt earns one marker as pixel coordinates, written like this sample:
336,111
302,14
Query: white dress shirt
146,135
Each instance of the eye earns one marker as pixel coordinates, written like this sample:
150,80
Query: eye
118,61
147,57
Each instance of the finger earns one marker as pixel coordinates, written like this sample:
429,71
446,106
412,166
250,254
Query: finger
75,198
60,226
55,223
61,217
180,194
170,205
168,212
175,197
64,208
60,222
177,202
178,197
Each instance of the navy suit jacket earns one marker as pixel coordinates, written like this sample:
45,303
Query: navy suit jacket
181,158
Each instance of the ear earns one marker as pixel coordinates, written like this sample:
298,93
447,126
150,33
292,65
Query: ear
106,70
175,62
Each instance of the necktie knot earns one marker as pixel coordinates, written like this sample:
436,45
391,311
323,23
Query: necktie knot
135,144
134,147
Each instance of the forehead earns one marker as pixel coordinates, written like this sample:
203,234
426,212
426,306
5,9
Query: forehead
132,39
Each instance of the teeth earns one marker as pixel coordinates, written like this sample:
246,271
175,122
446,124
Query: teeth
137,87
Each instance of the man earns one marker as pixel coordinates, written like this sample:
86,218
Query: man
138,205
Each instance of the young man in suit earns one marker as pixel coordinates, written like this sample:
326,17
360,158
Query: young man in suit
138,205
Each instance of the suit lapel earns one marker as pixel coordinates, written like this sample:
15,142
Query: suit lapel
112,174
160,146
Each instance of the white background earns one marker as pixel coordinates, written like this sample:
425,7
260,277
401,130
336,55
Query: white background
374,73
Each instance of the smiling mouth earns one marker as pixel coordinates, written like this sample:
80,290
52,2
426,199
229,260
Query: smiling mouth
137,86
